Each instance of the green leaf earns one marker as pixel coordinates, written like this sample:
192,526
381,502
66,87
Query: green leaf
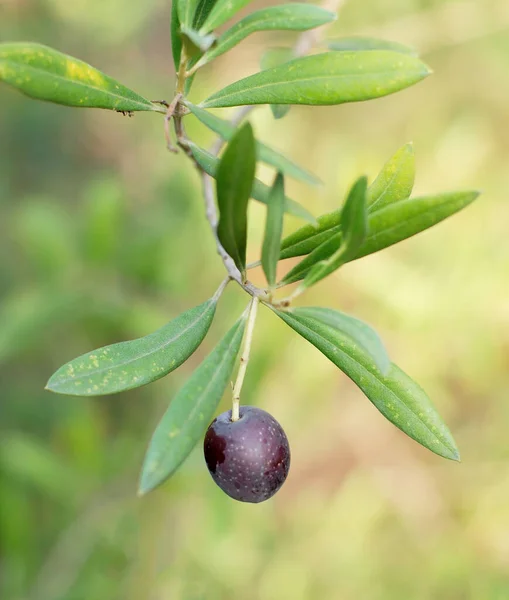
273,229
265,154
396,395
390,225
322,79
222,11
45,74
367,43
186,10
307,238
395,181
272,58
260,191
203,10
190,412
129,365
292,16
397,222
234,182
321,253
359,332
354,227
176,40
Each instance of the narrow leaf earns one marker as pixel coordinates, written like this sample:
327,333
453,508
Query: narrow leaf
45,74
186,10
273,229
395,181
354,227
291,16
397,222
322,79
202,12
307,238
358,331
176,40
222,11
390,225
260,191
129,365
395,395
265,154
190,412
321,253
367,43
272,58
234,182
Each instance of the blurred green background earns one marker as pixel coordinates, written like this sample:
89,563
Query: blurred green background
103,238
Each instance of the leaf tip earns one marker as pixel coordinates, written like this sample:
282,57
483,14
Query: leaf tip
145,485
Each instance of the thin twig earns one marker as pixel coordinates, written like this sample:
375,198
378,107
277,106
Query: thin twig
244,358
169,115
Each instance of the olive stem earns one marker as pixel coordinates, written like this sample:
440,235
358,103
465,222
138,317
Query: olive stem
244,357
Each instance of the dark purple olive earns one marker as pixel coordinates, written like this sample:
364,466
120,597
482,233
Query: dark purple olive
249,459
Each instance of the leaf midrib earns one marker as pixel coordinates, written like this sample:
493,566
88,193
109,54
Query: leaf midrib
370,375
371,208
77,83
291,82
142,356
409,221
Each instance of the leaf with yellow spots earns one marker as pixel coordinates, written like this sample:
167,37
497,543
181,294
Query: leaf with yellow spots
395,181
323,79
191,411
395,394
129,365
46,74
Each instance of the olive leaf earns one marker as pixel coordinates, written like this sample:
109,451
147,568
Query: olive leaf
290,16
354,228
323,79
190,412
46,74
234,182
359,332
395,181
273,229
367,43
260,191
307,238
264,153
397,222
222,11
186,10
131,364
176,40
272,58
202,12
388,226
395,395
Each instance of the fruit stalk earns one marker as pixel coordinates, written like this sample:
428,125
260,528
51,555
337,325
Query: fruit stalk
244,358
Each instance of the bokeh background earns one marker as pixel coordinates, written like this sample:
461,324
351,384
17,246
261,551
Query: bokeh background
103,238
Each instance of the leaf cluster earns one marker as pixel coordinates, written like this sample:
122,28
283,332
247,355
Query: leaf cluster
373,216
